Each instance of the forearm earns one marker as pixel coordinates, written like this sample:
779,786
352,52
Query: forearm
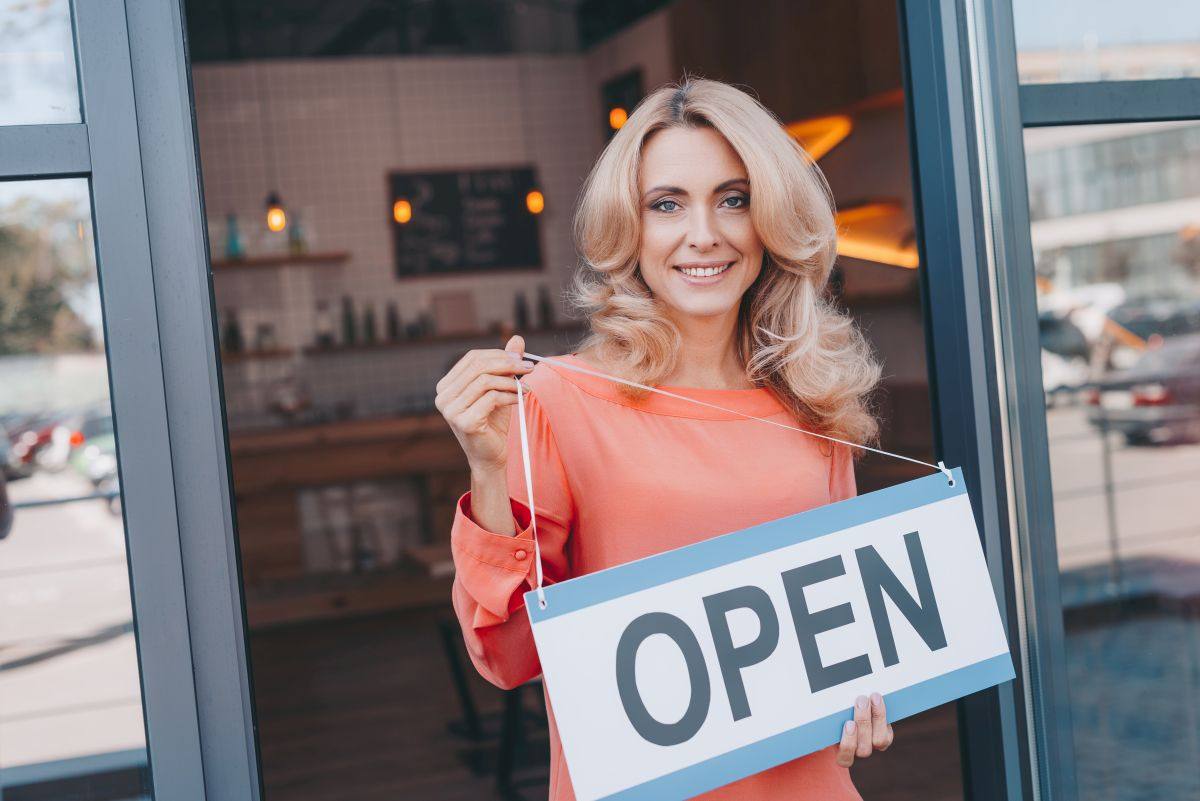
490,505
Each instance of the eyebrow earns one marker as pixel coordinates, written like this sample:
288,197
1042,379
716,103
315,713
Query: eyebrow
680,191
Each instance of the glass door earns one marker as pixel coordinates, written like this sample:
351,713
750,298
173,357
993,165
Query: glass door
1082,192
97,695
1110,128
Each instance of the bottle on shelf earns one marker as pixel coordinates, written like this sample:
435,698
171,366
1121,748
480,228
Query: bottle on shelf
234,249
368,324
545,307
324,324
393,322
297,244
521,313
233,333
349,327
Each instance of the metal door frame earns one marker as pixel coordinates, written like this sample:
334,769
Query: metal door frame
966,113
136,147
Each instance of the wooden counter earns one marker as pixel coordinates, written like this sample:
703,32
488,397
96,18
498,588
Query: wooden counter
271,465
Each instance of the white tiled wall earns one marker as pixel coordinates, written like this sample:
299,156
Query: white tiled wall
325,134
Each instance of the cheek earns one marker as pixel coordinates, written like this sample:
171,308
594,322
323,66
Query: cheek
655,252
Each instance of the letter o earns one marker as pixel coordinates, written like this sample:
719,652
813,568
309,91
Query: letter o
655,731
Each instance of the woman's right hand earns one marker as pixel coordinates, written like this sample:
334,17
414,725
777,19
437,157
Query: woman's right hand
474,397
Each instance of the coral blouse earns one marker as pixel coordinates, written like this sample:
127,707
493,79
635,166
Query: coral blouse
617,480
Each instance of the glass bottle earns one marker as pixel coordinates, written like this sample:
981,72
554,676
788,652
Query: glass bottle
545,307
233,238
324,322
393,322
349,327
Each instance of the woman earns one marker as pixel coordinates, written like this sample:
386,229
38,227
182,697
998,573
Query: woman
691,287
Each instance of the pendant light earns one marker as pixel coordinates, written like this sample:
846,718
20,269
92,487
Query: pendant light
276,214
535,201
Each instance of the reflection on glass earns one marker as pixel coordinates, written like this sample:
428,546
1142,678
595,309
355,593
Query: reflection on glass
1116,238
1063,41
37,63
70,702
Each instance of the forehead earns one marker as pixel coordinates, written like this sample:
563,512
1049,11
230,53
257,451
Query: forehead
690,158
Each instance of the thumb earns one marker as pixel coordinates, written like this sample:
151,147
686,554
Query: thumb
516,344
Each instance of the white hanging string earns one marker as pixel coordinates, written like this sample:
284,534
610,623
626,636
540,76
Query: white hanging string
537,550
940,466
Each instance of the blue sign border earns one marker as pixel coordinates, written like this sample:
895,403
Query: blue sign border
614,582
783,747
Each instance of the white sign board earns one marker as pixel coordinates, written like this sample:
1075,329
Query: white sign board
684,671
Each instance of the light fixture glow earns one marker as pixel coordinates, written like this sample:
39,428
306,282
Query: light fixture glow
867,231
535,202
402,211
617,117
819,135
276,216
881,252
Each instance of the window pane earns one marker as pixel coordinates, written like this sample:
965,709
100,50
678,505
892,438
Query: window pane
71,722
1117,249
1062,41
37,63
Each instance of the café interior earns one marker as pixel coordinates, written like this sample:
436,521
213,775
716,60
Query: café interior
390,184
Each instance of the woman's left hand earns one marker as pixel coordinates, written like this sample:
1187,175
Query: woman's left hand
868,732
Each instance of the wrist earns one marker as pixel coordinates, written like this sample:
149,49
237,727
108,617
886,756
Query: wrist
488,473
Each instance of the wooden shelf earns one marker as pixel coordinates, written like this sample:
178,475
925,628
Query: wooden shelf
322,597
332,350
230,357
329,259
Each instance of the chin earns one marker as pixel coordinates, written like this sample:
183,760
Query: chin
702,308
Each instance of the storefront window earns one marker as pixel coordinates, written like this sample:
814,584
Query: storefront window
71,723
37,63
1117,249
1068,41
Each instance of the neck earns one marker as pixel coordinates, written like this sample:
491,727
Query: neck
708,354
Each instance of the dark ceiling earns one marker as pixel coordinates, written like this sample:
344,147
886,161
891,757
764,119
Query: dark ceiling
232,30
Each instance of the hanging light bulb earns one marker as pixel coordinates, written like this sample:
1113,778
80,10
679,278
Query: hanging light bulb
617,117
535,201
402,211
276,216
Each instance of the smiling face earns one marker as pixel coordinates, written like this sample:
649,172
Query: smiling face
699,250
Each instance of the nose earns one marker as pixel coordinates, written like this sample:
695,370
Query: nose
703,234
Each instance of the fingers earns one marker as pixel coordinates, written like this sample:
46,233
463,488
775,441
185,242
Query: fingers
848,745
862,724
474,364
475,417
482,383
881,730
516,344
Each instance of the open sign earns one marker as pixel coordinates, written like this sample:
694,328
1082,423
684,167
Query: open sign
689,669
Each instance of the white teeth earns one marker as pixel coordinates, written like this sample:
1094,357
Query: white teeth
704,272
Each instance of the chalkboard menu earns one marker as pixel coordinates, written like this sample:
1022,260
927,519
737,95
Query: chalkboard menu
470,220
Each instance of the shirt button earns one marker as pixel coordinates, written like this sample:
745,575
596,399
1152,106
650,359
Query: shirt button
520,554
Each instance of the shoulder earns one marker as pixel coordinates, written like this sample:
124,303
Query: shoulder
543,379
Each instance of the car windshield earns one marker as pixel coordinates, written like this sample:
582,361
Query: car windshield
97,427
1172,354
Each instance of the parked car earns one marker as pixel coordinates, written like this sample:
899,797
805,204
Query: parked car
94,448
1065,354
6,510
1157,400
28,433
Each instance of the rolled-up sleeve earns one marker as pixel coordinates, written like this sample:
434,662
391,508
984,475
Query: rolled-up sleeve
493,571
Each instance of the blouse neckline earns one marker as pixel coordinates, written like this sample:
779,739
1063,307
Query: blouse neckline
757,401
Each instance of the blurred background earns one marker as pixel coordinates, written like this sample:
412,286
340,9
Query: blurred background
390,184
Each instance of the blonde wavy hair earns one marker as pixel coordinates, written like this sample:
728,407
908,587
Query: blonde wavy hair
790,338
